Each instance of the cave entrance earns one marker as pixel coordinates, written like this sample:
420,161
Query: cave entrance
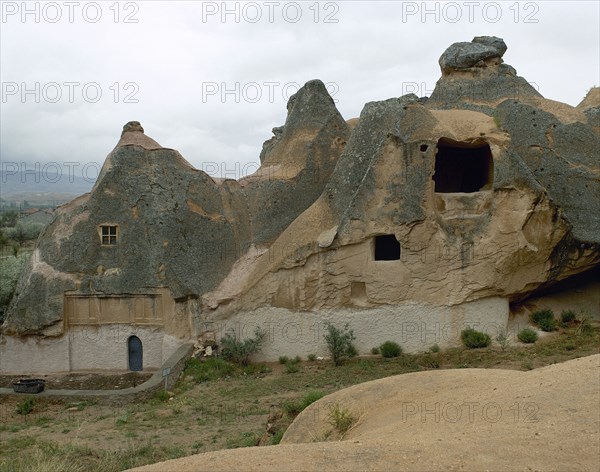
387,248
462,167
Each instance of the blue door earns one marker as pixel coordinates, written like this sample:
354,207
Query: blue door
136,354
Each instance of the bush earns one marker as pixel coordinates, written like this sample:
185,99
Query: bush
352,351
390,349
340,418
503,339
527,336
585,326
238,351
435,348
375,351
283,359
339,343
544,319
291,367
26,406
312,357
474,339
567,316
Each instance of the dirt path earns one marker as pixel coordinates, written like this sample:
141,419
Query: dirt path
466,419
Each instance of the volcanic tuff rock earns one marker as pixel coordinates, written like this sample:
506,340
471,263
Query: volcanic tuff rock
299,233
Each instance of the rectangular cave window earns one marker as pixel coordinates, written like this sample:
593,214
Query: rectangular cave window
463,167
108,235
387,248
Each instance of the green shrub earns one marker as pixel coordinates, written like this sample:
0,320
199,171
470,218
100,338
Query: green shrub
312,357
26,406
544,319
238,351
297,360
503,339
283,359
390,349
474,339
435,348
375,351
339,343
341,418
291,367
585,327
527,335
352,351
567,317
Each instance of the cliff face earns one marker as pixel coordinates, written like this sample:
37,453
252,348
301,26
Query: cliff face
486,189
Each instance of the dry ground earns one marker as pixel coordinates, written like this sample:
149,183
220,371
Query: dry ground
471,419
232,409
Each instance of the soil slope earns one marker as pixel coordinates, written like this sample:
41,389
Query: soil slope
467,419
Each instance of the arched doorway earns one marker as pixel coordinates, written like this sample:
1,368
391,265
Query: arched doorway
135,354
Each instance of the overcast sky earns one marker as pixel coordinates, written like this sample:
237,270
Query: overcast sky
211,79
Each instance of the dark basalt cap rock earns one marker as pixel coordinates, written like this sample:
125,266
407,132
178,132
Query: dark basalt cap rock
475,77
132,126
465,55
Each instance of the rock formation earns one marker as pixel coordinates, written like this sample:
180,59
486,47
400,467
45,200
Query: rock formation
439,211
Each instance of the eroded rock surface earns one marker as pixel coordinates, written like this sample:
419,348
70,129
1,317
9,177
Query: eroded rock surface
486,190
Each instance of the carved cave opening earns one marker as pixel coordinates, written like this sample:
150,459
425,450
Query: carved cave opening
387,248
462,167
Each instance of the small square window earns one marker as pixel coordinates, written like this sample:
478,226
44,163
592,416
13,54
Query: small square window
387,248
108,235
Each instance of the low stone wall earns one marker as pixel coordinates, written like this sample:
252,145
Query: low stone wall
175,363
102,347
415,326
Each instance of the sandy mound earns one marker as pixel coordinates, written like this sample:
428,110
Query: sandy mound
468,419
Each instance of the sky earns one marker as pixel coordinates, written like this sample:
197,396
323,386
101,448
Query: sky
211,79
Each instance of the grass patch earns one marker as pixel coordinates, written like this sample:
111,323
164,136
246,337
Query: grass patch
295,407
209,369
341,418
224,406
53,457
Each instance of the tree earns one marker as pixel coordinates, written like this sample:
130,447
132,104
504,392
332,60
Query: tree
339,342
9,219
22,233
3,241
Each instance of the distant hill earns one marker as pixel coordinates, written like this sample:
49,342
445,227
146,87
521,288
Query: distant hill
39,188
